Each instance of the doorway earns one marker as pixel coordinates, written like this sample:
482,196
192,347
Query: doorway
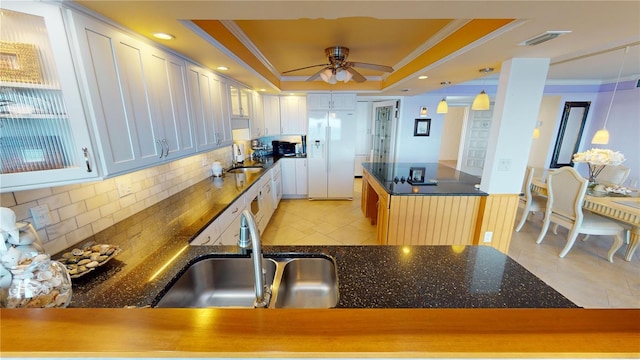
385,119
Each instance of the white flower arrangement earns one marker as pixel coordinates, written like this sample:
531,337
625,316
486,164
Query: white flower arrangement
597,159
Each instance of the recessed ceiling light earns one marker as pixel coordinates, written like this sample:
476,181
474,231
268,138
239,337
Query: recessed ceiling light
163,36
222,68
422,77
262,90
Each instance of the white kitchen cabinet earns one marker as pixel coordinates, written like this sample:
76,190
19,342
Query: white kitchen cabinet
212,124
229,222
331,101
276,184
266,201
208,236
294,178
271,115
239,100
44,138
293,115
136,97
256,120
166,76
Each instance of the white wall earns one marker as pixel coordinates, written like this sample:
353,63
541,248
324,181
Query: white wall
425,149
451,130
542,147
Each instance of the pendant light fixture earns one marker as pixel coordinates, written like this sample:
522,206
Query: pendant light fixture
443,107
482,102
601,136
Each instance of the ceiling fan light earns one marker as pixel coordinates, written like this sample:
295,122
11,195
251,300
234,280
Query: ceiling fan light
601,137
341,75
348,76
332,80
326,75
443,107
481,102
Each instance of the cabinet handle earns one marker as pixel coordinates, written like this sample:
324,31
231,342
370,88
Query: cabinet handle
159,142
164,141
235,211
86,158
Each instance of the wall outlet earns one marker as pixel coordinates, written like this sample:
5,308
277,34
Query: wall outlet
124,188
41,216
504,164
487,236
203,161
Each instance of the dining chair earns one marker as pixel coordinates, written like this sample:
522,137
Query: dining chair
613,175
529,201
566,189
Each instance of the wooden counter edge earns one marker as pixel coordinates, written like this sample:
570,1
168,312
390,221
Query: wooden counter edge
385,333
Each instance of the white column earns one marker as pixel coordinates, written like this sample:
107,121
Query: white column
517,103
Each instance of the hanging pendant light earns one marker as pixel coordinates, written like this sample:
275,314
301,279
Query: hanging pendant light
443,107
482,102
601,136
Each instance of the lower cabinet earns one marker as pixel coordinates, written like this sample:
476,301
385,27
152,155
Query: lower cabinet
294,178
223,230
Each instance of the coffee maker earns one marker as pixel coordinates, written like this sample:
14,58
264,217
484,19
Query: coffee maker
238,153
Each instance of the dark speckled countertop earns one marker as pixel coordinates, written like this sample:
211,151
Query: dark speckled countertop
438,179
156,251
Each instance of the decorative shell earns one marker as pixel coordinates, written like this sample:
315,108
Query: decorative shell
80,261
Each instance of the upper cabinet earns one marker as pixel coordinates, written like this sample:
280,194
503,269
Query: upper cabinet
256,122
209,109
44,139
271,114
137,97
293,115
239,99
331,101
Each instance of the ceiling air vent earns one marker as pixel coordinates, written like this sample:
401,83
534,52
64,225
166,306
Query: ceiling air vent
545,36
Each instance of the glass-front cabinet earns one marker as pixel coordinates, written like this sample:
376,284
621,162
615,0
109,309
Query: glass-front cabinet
44,138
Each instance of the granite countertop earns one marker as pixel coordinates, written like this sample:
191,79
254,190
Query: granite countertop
368,277
156,250
438,179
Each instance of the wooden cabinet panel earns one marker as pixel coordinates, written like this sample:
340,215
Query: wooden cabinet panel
497,215
433,220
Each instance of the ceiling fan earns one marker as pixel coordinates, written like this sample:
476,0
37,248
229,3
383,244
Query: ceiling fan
339,69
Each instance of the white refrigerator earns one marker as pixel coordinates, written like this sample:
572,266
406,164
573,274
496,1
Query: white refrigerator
331,154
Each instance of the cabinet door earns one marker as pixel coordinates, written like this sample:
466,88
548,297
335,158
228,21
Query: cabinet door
271,115
256,120
209,236
117,95
319,101
288,176
343,101
167,79
301,176
44,130
293,115
202,108
221,111
231,234
239,99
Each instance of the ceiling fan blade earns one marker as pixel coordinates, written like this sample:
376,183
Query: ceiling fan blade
316,75
357,77
371,66
306,67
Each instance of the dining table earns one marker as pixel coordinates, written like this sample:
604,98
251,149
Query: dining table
624,209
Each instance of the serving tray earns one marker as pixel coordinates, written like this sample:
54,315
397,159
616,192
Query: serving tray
81,261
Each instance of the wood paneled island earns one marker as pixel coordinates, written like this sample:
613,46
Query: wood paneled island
446,208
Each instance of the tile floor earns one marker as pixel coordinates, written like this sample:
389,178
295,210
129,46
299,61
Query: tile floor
584,275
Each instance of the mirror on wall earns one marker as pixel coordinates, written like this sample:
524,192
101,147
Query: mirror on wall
572,123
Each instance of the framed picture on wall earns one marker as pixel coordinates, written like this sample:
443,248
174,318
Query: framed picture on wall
422,127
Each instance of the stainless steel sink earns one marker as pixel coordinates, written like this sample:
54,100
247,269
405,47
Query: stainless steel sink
217,282
307,283
295,282
247,169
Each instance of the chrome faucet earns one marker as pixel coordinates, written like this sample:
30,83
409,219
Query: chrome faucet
248,229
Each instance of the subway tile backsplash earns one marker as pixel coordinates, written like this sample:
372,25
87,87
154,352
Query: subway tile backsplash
79,211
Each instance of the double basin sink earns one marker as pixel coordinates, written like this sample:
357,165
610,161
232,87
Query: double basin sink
309,281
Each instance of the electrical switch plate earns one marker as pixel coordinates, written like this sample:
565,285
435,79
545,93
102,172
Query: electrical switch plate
41,216
487,236
124,188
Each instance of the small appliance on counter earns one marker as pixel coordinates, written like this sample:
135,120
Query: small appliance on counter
216,169
283,148
238,153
